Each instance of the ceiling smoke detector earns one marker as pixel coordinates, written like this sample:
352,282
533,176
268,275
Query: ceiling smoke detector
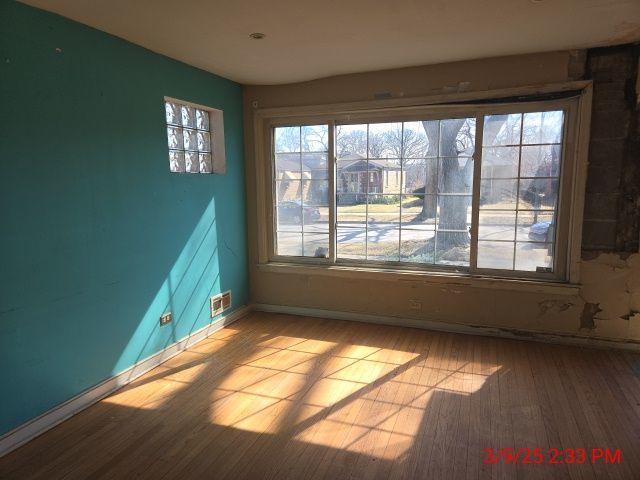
257,36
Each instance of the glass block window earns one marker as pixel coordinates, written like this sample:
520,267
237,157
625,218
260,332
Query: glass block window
189,138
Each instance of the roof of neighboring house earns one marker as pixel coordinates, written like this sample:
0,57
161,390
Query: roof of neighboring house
358,163
318,161
310,161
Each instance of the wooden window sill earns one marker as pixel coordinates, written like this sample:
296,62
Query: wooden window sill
433,278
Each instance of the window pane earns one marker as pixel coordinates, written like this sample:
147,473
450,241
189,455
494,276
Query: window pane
385,140
351,142
205,163
202,119
534,256
351,243
415,141
457,137
287,166
290,243
541,161
173,113
188,117
536,226
315,192
497,225
190,139
315,138
454,212
287,139
538,193
289,205
417,246
542,127
383,243
495,255
315,205
452,248
419,212
204,142
192,162
314,166
419,175
176,161
316,245
452,230
532,236
383,210
352,176
388,176
174,135
498,194
351,211
455,175
500,162
501,130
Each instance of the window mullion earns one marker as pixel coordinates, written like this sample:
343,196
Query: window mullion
331,165
475,200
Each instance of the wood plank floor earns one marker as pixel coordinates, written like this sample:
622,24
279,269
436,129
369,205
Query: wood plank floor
284,397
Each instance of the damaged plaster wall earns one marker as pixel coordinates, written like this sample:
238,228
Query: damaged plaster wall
611,295
610,270
606,306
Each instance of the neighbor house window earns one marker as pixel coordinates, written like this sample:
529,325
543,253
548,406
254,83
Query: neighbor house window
477,191
195,138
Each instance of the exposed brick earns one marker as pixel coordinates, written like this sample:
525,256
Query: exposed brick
604,179
601,206
610,124
606,152
597,235
612,202
610,96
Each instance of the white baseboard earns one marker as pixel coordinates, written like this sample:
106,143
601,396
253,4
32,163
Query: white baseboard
557,338
22,434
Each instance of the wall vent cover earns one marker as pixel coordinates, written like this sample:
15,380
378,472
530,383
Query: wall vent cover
219,303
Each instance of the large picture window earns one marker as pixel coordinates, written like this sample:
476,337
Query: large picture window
477,191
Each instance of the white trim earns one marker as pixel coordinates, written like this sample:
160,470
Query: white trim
425,324
31,429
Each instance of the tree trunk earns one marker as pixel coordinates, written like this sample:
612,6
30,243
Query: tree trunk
429,205
452,178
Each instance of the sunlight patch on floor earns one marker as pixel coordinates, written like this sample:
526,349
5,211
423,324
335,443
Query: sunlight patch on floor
375,399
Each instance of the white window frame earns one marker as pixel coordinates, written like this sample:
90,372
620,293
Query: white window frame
573,98
216,130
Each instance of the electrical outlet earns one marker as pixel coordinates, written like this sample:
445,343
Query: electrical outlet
166,318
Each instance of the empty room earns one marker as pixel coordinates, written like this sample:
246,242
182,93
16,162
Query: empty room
384,239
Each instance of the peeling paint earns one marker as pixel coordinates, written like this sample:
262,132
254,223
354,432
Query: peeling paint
611,292
589,312
553,306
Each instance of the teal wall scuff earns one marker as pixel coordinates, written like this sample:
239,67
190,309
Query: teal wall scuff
97,237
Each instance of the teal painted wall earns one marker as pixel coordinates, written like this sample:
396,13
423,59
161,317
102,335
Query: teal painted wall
97,237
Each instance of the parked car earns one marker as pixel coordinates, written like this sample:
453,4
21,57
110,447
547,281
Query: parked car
292,211
541,232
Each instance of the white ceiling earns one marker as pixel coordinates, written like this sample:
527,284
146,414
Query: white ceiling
311,39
